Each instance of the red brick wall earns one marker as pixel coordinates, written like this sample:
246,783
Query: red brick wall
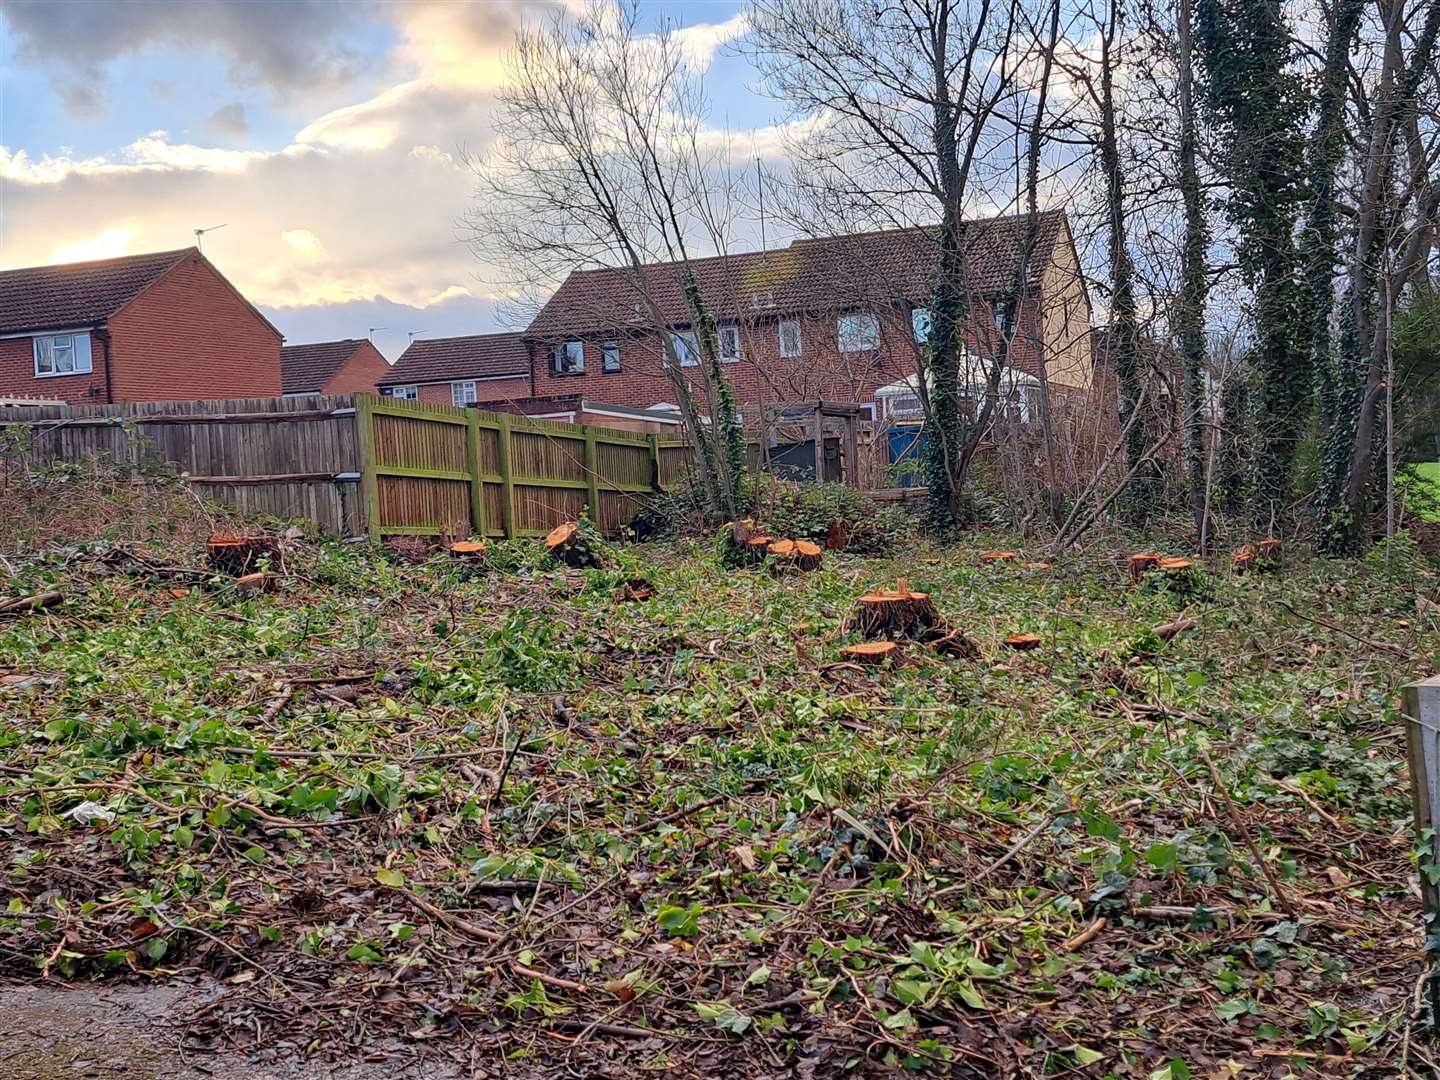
762,375
361,372
485,390
17,374
191,336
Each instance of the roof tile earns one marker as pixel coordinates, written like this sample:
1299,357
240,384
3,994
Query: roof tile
478,356
78,294
307,368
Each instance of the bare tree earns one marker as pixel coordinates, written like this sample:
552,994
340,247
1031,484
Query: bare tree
908,109
600,160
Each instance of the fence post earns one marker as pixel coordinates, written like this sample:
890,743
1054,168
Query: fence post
472,465
1422,741
592,474
369,484
654,441
507,478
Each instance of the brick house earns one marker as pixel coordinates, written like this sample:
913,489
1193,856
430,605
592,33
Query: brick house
461,370
332,367
836,318
164,326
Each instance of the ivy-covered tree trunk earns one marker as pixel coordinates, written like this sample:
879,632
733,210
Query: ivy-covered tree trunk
1190,312
729,433
1122,341
1258,103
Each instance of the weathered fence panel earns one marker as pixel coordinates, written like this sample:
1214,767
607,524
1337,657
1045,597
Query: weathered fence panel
286,457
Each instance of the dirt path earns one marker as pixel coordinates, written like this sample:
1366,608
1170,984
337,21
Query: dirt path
104,1032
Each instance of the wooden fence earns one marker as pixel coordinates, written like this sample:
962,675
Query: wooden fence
362,464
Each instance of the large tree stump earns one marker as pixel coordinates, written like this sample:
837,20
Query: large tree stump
1023,642
869,652
893,613
240,555
574,546
795,555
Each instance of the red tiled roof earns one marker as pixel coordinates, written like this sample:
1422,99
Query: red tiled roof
307,368
821,274
78,294
478,356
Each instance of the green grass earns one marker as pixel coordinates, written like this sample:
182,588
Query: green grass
710,825
1430,472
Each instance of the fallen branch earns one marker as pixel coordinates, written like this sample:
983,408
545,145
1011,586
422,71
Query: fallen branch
24,605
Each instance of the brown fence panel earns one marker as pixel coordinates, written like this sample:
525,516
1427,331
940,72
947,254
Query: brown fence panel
286,457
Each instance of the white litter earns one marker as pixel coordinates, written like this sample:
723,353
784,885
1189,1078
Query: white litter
87,812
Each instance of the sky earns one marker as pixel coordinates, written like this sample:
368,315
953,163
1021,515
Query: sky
325,137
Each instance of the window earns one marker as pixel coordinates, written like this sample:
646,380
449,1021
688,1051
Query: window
729,338
463,393
1000,308
789,337
858,333
920,321
567,358
686,347
904,407
62,354
405,393
610,357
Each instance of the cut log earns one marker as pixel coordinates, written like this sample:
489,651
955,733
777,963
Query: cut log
1023,642
468,550
633,590
869,652
1176,567
795,554
1243,559
258,583
1267,552
240,555
1169,630
1038,566
23,605
991,557
1141,563
574,546
895,613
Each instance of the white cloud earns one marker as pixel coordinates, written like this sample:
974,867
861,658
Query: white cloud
700,43
105,244
304,243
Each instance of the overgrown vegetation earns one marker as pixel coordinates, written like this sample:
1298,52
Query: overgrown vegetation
496,815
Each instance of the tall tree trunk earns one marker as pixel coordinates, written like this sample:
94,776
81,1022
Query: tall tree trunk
1122,338
1190,315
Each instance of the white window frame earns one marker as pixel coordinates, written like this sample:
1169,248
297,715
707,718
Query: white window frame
687,347
462,393
406,392
567,358
76,350
799,339
728,332
857,332
610,358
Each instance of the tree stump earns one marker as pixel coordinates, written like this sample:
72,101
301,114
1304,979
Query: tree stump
742,543
895,613
1243,560
468,550
1023,642
954,643
869,652
240,555
1142,563
795,555
1267,553
989,558
574,546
